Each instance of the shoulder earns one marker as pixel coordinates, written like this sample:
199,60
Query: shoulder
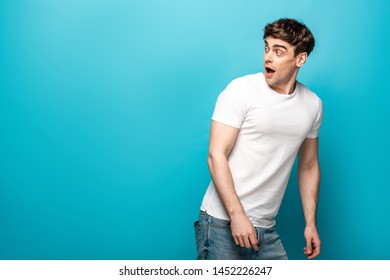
245,86
311,101
246,80
309,95
253,80
240,92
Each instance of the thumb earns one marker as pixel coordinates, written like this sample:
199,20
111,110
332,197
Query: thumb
309,248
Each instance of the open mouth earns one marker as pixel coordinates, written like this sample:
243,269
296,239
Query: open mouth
269,70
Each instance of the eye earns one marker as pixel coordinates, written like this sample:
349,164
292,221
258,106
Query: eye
266,49
279,52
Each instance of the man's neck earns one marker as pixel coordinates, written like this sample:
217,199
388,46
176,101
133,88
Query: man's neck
285,89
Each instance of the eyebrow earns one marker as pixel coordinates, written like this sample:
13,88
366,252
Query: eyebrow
275,46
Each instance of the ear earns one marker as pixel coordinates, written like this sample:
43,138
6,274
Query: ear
301,59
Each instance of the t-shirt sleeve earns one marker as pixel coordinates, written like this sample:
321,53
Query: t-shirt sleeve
230,108
314,131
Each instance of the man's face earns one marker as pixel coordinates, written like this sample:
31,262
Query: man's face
280,64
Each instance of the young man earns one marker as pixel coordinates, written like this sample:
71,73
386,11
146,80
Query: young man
260,123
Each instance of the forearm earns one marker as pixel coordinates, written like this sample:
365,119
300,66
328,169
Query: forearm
242,228
223,181
309,185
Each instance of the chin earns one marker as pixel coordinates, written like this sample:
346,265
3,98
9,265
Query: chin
270,81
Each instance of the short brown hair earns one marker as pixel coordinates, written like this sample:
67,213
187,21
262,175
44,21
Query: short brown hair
293,32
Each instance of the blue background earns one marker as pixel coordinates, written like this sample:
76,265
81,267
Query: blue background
105,109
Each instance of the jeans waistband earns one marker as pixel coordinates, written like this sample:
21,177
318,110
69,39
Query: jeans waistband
204,217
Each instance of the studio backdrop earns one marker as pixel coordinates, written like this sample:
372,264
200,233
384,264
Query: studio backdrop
105,108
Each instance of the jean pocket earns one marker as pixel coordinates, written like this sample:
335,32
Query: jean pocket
197,226
197,233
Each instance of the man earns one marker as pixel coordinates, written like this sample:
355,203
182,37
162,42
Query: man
260,123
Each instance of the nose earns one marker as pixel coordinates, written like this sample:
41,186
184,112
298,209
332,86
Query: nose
267,56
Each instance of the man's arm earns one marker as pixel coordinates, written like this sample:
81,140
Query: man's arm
222,139
309,185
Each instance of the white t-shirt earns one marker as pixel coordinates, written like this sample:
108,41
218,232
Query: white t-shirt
272,128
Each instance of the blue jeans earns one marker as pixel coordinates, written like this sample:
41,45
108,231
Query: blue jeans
214,241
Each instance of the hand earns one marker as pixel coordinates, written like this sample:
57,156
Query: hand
313,243
243,232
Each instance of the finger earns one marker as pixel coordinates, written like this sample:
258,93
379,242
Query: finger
247,242
309,249
313,255
316,250
254,242
236,240
241,242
